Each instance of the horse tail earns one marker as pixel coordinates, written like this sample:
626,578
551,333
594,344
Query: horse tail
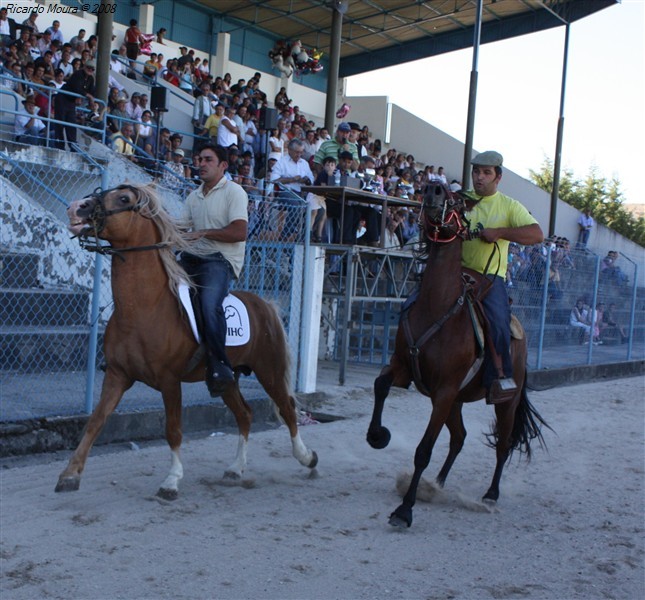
281,344
527,426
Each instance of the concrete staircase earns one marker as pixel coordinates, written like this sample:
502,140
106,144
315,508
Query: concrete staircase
40,328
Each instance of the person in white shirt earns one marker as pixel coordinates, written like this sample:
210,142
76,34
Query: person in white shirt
55,32
292,172
585,225
29,129
227,132
132,108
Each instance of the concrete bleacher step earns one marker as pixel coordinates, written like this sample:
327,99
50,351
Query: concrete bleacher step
32,349
43,307
18,270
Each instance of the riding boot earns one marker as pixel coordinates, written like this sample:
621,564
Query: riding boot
218,375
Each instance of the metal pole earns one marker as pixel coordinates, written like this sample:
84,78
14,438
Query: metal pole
347,312
104,32
94,322
545,296
338,9
558,143
594,315
472,100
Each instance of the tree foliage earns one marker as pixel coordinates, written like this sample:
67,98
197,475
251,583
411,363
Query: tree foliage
601,195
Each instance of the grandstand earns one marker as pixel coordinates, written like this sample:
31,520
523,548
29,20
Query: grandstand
56,297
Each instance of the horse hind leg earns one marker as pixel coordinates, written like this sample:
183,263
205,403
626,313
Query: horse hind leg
455,425
378,436
285,405
111,393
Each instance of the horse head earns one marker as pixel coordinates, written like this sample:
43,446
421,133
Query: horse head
442,213
88,216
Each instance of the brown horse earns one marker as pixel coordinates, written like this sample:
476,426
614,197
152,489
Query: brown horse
149,339
438,352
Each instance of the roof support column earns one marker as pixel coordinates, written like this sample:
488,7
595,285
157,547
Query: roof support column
472,100
339,7
558,143
102,72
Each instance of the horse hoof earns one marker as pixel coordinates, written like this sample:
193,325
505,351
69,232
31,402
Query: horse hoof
68,484
379,440
490,498
234,475
401,517
314,460
167,494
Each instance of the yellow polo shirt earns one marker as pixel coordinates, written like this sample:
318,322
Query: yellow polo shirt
492,212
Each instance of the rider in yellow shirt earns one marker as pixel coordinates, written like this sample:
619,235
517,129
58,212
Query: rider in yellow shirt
502,220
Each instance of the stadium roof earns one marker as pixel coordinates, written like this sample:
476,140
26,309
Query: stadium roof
383,33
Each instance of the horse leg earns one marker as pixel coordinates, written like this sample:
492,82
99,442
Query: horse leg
243,414
378,436
278,391
455,425
171,394
111,393
402,516
505,416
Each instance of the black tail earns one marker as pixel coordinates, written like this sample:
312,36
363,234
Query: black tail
527,426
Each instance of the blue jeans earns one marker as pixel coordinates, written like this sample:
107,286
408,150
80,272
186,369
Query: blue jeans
498,311
212,275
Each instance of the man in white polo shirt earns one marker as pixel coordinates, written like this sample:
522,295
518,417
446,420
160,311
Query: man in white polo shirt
217,213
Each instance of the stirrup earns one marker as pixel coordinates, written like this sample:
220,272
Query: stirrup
501,390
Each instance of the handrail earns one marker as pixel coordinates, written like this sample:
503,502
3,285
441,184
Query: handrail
14,163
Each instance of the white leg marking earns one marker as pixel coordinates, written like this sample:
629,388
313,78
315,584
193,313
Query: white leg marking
175,474
239,464
300,451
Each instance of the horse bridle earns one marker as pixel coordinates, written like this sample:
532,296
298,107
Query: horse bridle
99,216
452,222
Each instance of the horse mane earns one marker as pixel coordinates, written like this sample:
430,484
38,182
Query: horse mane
172,232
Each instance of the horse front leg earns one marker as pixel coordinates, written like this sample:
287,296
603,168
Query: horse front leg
171,393
114,386
455,425
402,516
378,436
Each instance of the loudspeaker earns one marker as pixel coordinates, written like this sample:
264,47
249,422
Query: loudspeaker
268,118
159,99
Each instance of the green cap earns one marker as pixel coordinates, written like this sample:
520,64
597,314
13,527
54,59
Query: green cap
490,158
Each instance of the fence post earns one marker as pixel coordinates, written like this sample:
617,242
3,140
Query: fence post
545,297
594,314
632,311
94,323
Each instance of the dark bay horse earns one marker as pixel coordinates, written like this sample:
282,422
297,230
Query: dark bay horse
149,339
437,353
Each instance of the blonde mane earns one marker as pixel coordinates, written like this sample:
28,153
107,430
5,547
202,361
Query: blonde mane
172,232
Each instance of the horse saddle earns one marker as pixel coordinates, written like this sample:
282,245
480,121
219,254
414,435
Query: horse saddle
238,330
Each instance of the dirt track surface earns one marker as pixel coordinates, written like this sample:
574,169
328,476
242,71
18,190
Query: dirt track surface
568,525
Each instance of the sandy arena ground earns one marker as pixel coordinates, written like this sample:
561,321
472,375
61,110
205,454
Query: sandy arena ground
569,525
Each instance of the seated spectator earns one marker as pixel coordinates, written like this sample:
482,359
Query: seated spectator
150,66
579,318
65,63
132,108
410,227
28,128
123,142
610,271
174,172
161,34
317,202
227,132
391,239
146,132
610,320
78,42
94,118
117,115
212,123
597,321
55,32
